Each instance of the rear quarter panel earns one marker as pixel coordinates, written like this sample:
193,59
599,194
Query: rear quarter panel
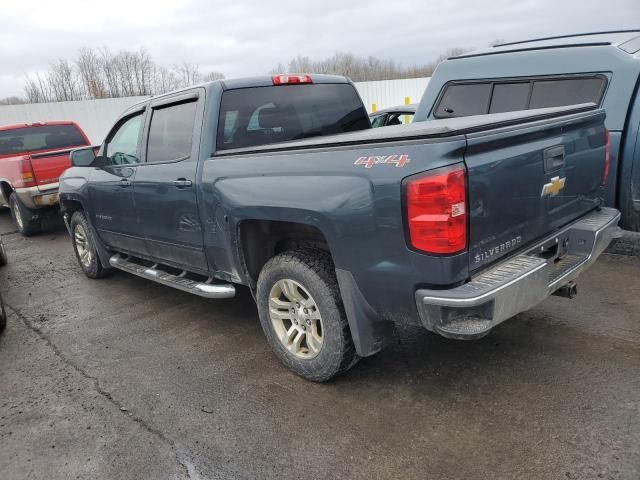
358,210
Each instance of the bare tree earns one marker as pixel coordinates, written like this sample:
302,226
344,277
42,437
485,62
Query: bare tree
212,76
90,68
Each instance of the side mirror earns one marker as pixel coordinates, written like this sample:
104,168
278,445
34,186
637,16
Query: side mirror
83,157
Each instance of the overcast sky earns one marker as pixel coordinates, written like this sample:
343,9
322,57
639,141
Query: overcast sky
248,37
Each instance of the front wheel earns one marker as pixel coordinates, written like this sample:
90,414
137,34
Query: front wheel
84,246
3,315
302,315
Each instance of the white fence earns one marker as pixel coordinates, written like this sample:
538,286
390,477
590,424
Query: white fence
97,116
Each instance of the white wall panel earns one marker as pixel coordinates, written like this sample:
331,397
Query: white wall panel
95,117
389,93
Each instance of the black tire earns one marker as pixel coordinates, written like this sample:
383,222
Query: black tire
314,271
3,315
91,265
26,220
3,254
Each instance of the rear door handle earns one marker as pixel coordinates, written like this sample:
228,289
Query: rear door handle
125,182
182,183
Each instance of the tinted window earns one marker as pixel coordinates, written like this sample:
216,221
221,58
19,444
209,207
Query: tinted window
122,146
378,121
463,100
46,137
399,118
558,93
171,132
264,115
509,97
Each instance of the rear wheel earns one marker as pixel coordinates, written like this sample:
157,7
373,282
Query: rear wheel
302,315
84,246
27,221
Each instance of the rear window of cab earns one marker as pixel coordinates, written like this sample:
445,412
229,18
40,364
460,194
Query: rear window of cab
255,116
41,137
461,99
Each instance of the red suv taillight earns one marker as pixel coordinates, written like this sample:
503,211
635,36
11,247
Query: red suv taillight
437,210
26,174
607,156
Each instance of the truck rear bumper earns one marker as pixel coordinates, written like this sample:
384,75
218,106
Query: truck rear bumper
38,197
471,310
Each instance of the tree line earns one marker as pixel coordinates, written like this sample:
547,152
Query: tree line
363,69
103,74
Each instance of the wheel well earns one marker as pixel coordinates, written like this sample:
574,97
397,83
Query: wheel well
260,240
6,190
68,207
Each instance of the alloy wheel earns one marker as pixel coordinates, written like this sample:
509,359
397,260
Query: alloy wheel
296,318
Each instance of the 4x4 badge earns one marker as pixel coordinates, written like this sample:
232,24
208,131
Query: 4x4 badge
397,160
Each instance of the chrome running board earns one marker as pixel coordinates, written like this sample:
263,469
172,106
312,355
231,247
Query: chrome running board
206,289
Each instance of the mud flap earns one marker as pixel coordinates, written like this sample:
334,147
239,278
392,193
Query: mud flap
369,332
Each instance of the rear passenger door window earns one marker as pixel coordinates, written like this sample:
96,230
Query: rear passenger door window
171,132
462,100
559,93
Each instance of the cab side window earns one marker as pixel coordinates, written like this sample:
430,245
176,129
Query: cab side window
122,146
171,132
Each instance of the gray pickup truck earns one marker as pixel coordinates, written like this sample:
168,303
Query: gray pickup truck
339,230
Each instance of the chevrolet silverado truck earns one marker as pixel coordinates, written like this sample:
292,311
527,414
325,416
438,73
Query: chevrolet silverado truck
601,67
342,231
32,157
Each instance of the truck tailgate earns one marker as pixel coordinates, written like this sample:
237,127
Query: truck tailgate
527,180
48,166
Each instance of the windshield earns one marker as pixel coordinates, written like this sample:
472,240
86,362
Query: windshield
45,137
263,115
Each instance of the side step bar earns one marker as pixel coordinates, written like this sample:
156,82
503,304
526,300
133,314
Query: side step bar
203,289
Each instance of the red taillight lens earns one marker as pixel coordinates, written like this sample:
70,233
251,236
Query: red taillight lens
26,174
291,79
437,211
607,156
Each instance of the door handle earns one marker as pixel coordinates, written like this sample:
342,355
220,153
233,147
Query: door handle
125,182
554,158
182,183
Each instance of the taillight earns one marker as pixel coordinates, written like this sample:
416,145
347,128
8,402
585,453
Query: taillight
437,210
607,156
26,174
291,79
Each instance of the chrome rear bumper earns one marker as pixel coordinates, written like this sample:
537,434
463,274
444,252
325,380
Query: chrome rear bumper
518,284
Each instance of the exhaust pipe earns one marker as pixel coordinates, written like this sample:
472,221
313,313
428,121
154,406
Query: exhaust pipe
570,290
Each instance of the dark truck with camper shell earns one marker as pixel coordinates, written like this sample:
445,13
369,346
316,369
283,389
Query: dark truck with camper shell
601,67
340,230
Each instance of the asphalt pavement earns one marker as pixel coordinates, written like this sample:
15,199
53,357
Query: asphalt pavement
121,378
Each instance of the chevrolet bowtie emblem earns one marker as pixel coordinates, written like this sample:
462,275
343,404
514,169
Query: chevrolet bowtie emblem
553,187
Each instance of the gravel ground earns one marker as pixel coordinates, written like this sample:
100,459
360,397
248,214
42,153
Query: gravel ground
125,379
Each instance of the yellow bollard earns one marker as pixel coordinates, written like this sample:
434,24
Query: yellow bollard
407,101
374,108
